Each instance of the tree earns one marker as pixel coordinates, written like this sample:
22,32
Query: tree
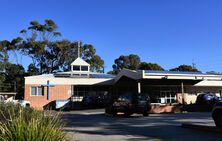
5,47
88,53
50,55
32,70
131,61
38,44
185,68
150,66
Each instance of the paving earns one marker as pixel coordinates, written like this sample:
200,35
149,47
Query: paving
94,125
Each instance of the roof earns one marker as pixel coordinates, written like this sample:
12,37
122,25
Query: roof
172,72
151,74
147,74
71,78
83,75
130,74
79,62
205,83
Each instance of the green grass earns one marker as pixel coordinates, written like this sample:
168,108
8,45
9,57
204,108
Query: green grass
26,124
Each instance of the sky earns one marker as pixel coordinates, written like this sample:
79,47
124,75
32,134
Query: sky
167,32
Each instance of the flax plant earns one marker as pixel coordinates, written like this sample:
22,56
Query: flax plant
26,124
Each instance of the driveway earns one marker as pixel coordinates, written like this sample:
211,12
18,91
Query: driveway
93,125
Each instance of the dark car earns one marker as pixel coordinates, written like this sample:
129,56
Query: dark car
129,104
217,114
88,101
207,99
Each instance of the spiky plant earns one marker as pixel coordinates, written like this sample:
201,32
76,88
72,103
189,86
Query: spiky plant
25,124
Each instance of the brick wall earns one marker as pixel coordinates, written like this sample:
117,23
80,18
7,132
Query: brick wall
58,92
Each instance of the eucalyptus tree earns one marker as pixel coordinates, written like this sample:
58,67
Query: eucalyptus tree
37,43
131,61
188,68
50,53
150,66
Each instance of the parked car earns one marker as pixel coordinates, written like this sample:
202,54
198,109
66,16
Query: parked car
63,105
217,114
88,101
207,99
103,100
129,104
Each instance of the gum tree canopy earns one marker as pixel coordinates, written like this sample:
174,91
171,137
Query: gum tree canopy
50,53
132,62
185,68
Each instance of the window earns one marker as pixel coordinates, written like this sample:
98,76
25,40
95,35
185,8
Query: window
76,68
37,91
84,68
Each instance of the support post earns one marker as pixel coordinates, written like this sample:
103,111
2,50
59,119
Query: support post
139,87
182,91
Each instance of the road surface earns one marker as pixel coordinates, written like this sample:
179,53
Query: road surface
93,125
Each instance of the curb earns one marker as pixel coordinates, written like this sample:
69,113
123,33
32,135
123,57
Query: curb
202,127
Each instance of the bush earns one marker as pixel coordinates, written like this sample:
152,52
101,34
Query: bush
26,124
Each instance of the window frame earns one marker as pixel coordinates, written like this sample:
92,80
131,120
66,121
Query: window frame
79,68
37,90
84,68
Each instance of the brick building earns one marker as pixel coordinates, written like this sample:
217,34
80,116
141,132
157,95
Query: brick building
162,86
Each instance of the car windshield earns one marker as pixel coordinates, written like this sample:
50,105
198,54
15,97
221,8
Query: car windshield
142,97
125,98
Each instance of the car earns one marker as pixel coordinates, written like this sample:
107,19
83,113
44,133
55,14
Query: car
207,99
88,101
63,105
129,104
103,100
217,114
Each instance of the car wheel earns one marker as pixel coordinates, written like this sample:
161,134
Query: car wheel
145,114
218,120
127,114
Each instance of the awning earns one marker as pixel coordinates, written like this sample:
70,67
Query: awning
209,83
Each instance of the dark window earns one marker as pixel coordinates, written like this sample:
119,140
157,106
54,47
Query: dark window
33,90
84,68
76,68
37,91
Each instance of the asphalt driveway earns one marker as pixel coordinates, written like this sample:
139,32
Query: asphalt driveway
93,125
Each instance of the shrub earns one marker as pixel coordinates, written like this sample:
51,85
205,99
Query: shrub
26,124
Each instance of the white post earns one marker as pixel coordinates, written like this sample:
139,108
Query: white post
182,90
139,87
78,49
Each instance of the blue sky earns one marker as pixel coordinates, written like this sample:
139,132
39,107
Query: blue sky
167,32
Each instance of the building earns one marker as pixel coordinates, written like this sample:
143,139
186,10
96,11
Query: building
41,90
163,87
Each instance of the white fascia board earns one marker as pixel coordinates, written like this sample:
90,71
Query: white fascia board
182,76
67,81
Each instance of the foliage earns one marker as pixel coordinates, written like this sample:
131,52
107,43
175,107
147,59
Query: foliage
25,124
37,43
6,46
15,76
150,66
12,80
185,68
51,55
32,70
132,62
